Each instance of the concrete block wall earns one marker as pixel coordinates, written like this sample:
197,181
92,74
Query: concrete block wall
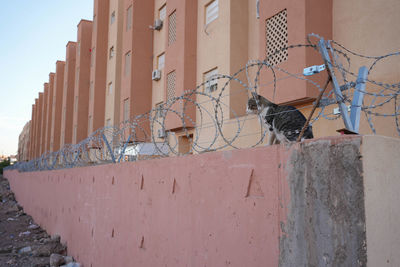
316,203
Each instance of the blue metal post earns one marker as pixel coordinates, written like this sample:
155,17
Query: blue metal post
358,98
336,87
109,148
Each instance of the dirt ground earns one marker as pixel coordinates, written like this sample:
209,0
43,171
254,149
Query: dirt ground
22,242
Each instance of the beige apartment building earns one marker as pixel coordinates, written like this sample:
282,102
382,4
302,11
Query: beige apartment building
49,114
114,63
68,94
24,140
137,41
98,66
82,81
139,55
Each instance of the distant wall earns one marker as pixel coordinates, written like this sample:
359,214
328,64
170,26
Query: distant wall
302,205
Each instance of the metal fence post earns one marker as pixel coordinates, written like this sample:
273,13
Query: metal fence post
358,98
109,148
336,87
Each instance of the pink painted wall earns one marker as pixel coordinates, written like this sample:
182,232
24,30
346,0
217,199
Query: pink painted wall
213,209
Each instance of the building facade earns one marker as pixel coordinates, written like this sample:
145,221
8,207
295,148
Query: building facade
98,65
68,94
82,81
24,141
140,55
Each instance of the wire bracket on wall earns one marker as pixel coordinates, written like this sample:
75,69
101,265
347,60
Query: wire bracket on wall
313,70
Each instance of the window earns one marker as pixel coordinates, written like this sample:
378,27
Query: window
76,104
94,23
74,134
161,61
171,78
277,38
172,28
90,122
129,18
110,88
111,52
77,76
127,63
211,11
91,90
159,110
162,13
112,19
92,56
211,83
126,109
63,115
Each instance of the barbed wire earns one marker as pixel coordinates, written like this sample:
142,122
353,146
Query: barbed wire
202,120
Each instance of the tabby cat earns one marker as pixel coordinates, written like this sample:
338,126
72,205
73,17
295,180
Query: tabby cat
283,122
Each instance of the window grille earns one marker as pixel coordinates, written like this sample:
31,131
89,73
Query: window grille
277,38
172,28
171,80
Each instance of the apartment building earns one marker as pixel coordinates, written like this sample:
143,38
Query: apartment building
45,109
24,143
56,109
139,55
49,119
82,81
175,46
137,43
98,65
39,150
34,128
68,94
31,126
114,63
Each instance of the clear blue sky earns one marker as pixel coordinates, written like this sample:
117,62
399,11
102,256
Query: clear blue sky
33,36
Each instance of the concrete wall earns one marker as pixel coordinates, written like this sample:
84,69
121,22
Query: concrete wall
381,184
319,203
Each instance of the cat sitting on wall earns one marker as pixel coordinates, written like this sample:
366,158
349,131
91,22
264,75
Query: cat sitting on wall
283,122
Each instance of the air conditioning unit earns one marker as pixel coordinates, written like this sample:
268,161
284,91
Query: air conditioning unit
158,23
156,75
162,133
